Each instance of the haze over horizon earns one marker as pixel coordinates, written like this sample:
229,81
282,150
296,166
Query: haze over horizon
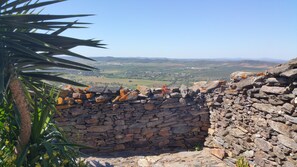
227,29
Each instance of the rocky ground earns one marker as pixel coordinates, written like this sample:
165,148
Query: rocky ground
174,159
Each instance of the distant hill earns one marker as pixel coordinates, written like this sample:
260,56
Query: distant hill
155,72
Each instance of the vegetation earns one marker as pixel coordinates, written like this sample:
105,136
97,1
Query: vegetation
242,162
155,72
198,147
47,145
30,45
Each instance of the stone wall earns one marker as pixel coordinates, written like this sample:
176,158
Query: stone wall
163,121
256,118
253,116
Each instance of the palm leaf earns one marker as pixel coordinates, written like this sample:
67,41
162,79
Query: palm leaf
34,18
2,77
28,7
11,4
12,45
11,24
50,77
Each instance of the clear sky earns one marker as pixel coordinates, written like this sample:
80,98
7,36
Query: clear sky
250,29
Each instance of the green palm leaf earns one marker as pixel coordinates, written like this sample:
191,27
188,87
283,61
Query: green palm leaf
27,7
24,48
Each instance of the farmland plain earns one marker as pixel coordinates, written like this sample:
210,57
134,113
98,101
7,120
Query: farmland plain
155,72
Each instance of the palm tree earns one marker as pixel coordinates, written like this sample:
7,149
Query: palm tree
30,45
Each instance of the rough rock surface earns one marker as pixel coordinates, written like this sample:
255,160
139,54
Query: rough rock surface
257,119
179,159
178,119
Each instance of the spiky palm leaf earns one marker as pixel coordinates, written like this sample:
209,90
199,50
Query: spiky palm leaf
24,48
30,45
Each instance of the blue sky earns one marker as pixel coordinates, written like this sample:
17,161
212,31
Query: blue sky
249,29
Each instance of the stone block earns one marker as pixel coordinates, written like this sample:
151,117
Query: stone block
237,133
180,129
263,145
92,121
265,107
273,89
248,153
143,163
279,152
220,153
119,136
164,132
237,149
260,158
291,119
119,147
288,108
119,122
175,95
153,123
288,142
290,73
163,143
148,133
78,111
149,106
99,128
280,127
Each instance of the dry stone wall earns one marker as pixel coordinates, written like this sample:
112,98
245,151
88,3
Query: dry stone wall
253,116
178,119
256,118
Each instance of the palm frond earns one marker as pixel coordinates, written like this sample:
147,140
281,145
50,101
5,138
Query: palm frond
27,49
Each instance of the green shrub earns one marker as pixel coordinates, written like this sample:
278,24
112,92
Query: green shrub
9,130
47,146
242,162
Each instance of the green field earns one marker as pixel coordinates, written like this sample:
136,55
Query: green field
131,83
130,72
